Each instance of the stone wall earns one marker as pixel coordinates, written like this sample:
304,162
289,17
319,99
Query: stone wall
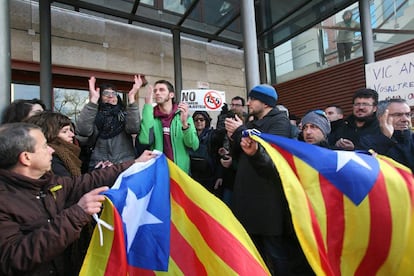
89,42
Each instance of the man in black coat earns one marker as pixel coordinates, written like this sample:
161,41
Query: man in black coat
258,198
362,121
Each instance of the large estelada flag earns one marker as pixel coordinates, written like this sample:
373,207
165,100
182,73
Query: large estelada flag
352,212
166,223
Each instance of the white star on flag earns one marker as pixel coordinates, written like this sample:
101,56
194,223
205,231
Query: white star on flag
135,212
345,156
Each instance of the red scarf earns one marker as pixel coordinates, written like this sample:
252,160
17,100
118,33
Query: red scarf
166,129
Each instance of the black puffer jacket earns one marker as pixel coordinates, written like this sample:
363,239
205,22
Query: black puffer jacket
349,130
258,199
39,219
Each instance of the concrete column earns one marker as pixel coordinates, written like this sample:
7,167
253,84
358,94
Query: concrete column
178,72
46,91
5,55
366,32
251,59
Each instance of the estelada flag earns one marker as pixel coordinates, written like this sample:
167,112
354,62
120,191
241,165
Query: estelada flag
352,212
166,223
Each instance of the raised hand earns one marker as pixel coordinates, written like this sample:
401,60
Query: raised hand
231,124
183,107
135,87
386,124
149,96
93,91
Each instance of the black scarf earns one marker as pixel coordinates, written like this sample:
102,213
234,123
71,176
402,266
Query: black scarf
110,120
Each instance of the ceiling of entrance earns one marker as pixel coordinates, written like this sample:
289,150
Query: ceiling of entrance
216,21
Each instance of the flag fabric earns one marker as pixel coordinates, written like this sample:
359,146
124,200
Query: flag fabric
352,212
166,223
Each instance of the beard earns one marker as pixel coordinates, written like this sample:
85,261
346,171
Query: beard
365,118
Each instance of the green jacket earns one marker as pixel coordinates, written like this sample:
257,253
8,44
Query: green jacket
152,134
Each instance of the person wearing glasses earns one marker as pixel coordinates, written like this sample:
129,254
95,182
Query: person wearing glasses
362,122
109,124
237,106
316,128
396,139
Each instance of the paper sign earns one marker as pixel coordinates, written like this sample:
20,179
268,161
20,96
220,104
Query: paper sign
203,99
392,78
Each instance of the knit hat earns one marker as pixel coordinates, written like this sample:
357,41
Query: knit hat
265,93
319,119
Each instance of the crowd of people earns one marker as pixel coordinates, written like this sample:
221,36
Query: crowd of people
42,152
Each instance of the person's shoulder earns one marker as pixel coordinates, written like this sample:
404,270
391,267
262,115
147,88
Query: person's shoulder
336,124
278,115
348,121
277,112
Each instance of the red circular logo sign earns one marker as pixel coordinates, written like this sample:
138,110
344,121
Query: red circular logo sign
212,100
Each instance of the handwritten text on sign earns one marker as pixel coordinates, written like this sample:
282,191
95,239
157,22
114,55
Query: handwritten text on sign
392,78
203,99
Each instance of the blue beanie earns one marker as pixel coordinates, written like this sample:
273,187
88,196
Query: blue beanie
264,93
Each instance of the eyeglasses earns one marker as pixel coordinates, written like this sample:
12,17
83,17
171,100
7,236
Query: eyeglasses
362,104
236,105
199,119
108,93
399,114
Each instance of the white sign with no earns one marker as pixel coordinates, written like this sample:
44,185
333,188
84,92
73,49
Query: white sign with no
203,99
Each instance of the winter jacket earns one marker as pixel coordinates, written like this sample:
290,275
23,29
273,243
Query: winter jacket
349,130
117,149
39,219
399,147
205,161
151,134
258,199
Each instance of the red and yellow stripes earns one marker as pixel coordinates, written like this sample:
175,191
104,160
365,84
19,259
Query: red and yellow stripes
209,233
110,258
340,238
206,238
